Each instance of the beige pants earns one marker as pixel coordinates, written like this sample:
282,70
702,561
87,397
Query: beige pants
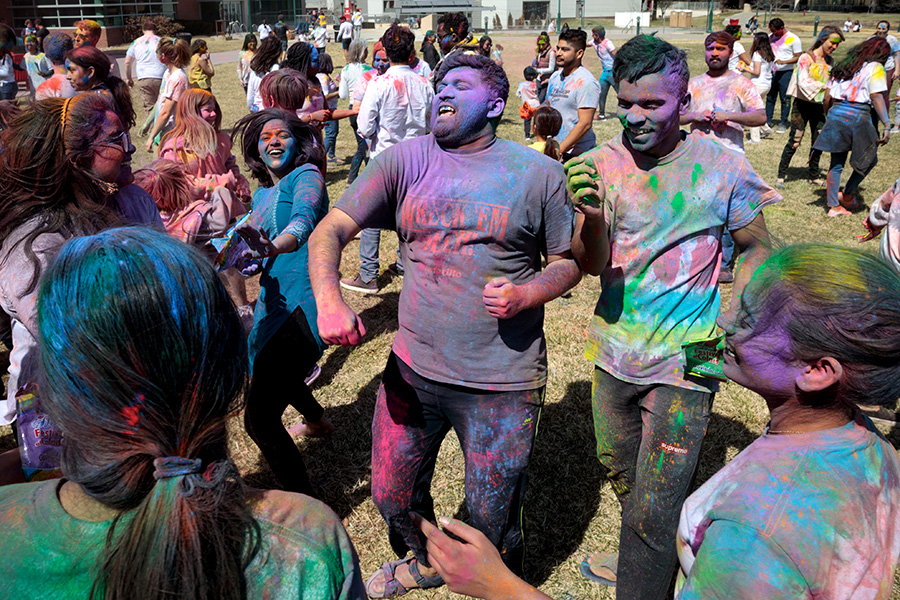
149,90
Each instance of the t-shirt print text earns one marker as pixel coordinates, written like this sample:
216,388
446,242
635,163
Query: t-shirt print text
452,226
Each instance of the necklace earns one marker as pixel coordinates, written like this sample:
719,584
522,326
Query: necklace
785,431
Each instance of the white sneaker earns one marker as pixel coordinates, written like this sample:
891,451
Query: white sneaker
895,129
781,129
754,142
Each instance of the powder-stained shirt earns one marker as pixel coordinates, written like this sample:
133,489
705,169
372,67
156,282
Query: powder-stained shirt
306,552
895,47
527,91
396,107
34,65
57,86
764,79
885,212
735,57
362,84
146,62
604,49
463,218
869,80
350,74
567,94
666,219
809,79
784,48
727,93
173,85
796,516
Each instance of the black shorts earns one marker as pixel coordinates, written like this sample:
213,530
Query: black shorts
346,43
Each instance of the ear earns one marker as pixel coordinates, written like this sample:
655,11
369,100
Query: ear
91,72
497,106
580,54
820,375
685,104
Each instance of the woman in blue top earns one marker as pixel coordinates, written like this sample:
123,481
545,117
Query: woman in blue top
287,157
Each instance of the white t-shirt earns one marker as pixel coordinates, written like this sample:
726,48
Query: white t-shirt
604,52
764,79
784,48
264,30
396,107
253,97
346,30
895,47
869,80
567,94
320,37
146,62
735,57
349,76
7,74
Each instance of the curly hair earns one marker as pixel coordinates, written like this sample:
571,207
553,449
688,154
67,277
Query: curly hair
398,42
307,138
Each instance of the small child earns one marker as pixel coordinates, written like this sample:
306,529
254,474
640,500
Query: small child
527,91
201,69
330,90
38,66
547,123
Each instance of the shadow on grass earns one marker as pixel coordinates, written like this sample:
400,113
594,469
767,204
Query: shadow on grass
722,434
565,479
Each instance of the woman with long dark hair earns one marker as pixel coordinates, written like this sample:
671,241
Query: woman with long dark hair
145,361
246,56
807,86
87,70
545,63
265,60
760,70
287,157
429,52
854,89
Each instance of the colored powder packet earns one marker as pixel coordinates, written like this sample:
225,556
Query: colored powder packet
703,358
231,247
40,442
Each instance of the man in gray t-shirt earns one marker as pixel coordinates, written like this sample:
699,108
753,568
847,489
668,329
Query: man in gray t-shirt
574,92
474,215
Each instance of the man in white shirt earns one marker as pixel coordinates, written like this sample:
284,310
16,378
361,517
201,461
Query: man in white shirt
575,93
345,33
357,20
320,37
787,49
87,33
263,30
142,54
606,52
396,107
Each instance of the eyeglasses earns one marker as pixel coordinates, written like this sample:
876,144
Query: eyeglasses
123,141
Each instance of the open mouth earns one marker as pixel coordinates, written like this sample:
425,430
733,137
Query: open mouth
446,109
276,153
729,353
636,133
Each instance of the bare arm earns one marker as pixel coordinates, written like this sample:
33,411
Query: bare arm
206,66
167,110
505,299
882,111
338,324
752,245
590,243
585,121
753,118
128,62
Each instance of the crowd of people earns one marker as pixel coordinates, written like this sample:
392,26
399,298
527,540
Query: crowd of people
134,342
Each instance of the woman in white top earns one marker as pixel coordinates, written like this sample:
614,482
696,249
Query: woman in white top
854,89
738,54
760,70
265,60
807,87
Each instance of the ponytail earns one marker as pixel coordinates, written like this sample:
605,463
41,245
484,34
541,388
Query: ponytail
551,148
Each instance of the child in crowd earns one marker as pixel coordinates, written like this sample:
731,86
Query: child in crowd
201,70
87,69
265,60
547,123
56,46
8,87
205,152
36,64
175,55
527,91
330,91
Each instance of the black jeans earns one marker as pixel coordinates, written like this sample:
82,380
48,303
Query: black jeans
277,381
528,127
362,147
780,81
803,113
496,432
649,438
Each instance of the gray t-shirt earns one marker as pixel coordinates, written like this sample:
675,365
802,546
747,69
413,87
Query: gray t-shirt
567,94
464,218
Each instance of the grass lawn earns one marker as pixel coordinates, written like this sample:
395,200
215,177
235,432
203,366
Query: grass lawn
569,509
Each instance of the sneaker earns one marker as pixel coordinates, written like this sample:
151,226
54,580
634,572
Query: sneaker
602,117
753,142
332,159
767,129
312,375
726,275
358,285
528,140
778,184
396,268
895,129
781,129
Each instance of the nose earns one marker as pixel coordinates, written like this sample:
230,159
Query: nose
726,321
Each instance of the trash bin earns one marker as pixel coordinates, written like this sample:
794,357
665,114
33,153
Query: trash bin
184,35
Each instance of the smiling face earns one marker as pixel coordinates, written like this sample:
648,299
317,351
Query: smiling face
31,46
831,44
112,153
208,113
277,148
882,29
381,62
462,108
717,56
78,76
649,111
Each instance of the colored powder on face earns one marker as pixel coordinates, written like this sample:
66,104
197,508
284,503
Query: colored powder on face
696,173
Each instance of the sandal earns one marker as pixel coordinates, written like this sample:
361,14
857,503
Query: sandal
817,182
393,587
606,563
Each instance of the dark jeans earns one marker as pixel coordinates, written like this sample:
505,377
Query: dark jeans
803,113
834,178
496,432
780,81
277,381
8,90
362,148
727,250
528,127
331,133
606,82
649,438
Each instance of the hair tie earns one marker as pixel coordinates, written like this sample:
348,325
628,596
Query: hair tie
65,114
176,466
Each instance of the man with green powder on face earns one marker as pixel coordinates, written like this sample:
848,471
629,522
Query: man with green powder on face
653,204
